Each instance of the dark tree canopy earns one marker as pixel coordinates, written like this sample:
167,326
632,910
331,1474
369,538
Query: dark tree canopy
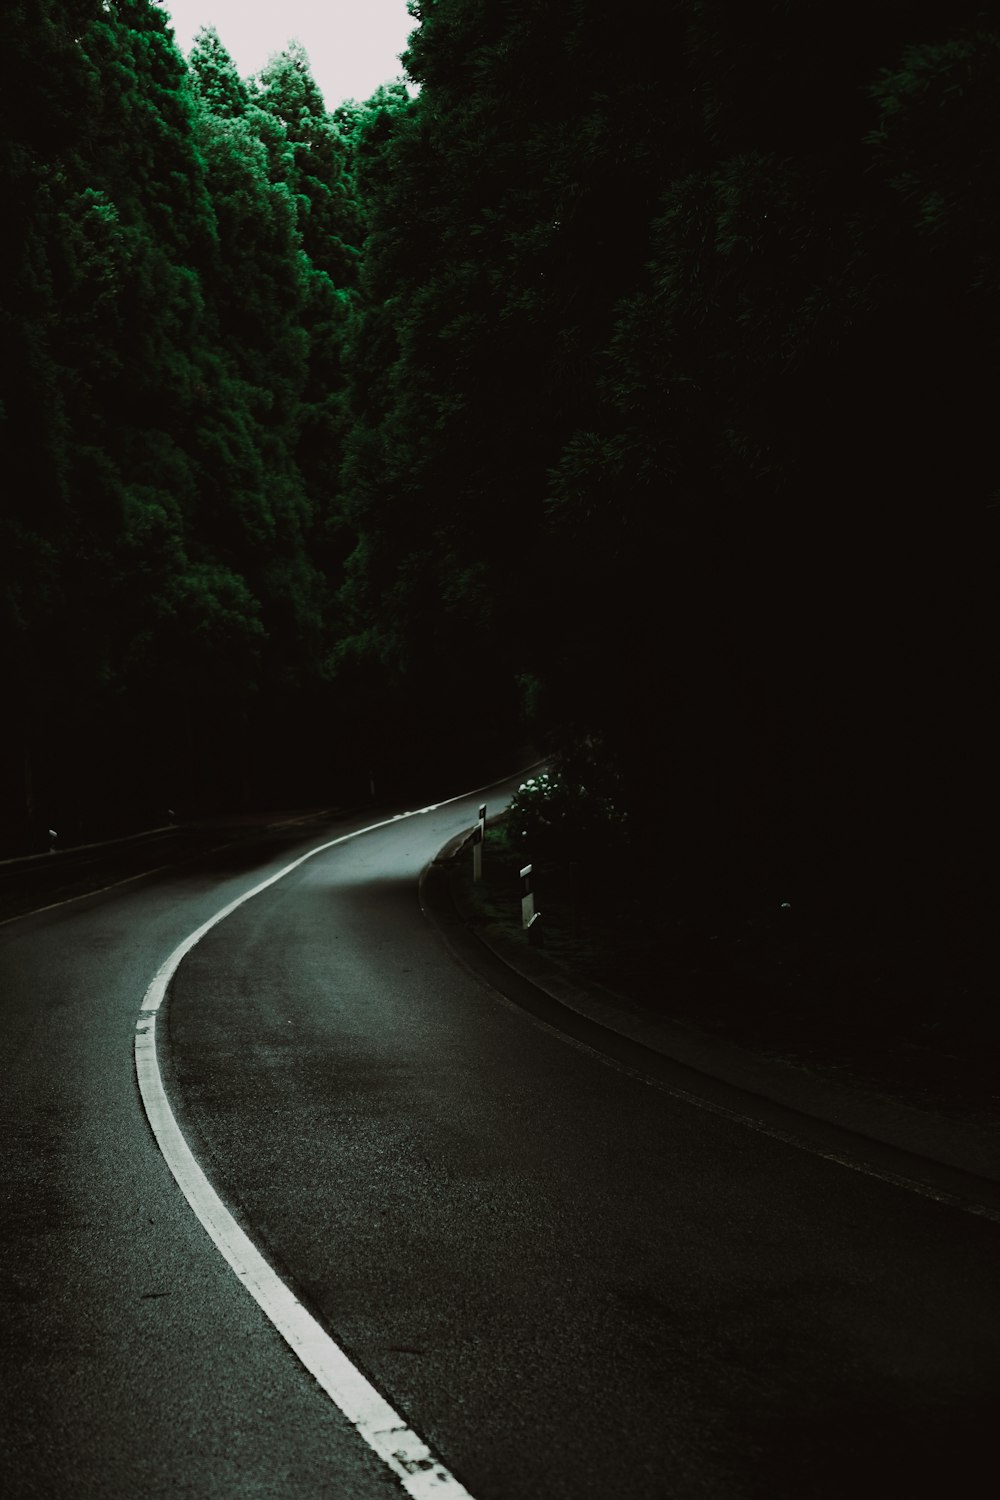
670,402
629,385
170,421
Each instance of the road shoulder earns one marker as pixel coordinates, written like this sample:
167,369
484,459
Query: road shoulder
959,1158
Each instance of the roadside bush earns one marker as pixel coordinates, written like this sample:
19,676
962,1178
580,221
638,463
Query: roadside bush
553,817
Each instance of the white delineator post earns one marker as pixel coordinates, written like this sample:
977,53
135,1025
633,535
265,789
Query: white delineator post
528,913
477,845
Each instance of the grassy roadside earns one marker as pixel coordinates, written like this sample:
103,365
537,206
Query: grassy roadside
910,1013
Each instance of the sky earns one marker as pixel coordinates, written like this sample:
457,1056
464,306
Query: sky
353,45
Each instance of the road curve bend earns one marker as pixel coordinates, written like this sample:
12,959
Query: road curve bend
551,1277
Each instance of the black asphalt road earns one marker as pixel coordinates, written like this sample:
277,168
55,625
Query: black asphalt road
570,1281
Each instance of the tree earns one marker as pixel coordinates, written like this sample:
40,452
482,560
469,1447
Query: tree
636,328
161,529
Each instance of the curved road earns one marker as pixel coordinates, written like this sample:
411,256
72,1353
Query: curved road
567,1279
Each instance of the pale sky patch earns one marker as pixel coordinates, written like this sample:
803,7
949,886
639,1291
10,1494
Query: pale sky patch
353,45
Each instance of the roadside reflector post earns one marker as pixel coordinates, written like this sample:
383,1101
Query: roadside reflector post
529,916
477,845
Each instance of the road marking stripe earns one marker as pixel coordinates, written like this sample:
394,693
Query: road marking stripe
406,1454
924,1189
420,1473
966,1205
854,1163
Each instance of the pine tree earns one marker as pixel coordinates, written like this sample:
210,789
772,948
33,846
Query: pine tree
216,81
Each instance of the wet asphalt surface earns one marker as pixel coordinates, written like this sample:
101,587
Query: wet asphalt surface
571,1281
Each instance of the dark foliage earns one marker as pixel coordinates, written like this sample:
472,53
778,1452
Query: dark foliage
633,384
174,308
671,396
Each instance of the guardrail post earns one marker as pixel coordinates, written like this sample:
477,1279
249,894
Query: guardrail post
529,916
478,838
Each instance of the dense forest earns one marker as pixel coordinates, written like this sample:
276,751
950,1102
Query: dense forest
628,386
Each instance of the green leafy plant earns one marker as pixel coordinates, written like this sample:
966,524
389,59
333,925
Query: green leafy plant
554,817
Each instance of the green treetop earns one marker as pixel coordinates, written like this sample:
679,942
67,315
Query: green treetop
214,74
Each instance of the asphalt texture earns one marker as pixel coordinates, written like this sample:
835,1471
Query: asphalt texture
571,1279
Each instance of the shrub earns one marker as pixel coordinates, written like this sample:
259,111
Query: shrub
553,817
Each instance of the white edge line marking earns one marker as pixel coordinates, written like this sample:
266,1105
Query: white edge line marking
854,1164
381,1427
